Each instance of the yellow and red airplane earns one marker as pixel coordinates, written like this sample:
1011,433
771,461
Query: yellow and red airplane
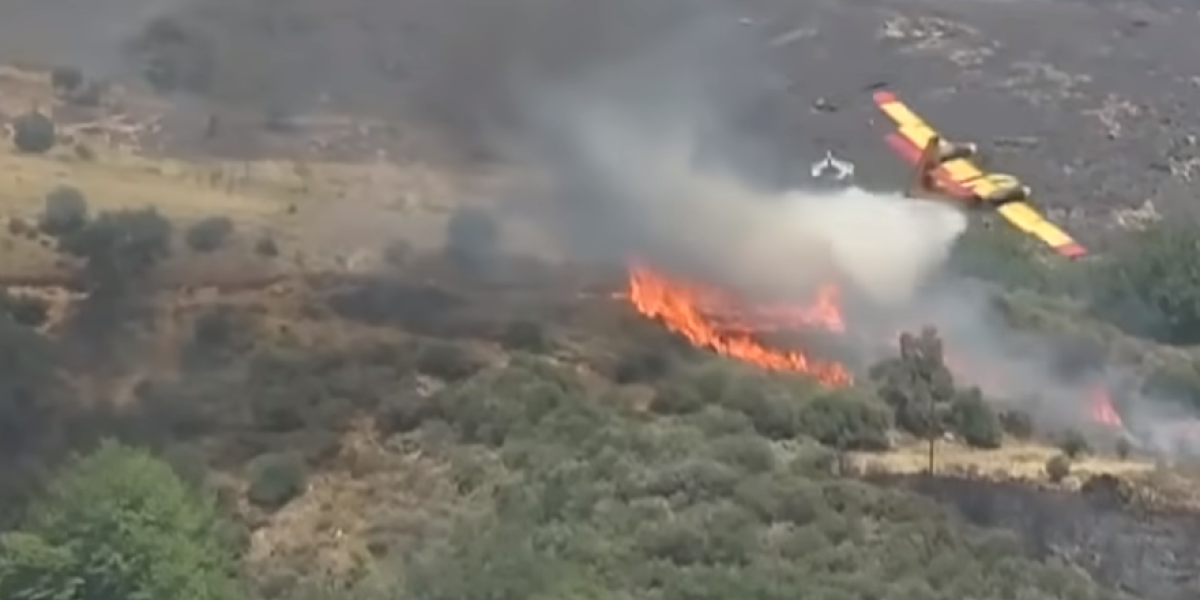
944,169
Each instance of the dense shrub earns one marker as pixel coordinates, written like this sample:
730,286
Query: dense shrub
1073,444
276,478
1149,283
107,512
1017,423
1058,468
33,133
447,360
974,420
120,245
847,420
64,212
209,234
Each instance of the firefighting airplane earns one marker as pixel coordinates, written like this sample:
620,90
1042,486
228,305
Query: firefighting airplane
945,170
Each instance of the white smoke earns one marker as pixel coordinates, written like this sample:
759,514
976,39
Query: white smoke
768,243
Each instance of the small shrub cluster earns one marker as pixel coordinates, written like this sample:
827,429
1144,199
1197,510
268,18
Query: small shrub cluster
275,478
34,133
209,234
65,212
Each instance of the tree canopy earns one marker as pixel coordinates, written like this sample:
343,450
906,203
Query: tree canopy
118,523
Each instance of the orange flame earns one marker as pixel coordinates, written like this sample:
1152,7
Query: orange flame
710,318
1102,408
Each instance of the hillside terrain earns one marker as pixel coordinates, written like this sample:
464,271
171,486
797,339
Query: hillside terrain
307,302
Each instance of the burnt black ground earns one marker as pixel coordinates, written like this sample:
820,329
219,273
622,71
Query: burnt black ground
1147,554
1089,101
1092,103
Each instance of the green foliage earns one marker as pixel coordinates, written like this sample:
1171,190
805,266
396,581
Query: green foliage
276,478
120,245
65,212
917,384
992,250
848,420
1177,381
596,504
1073,444
1058,468
33,133
1017,423
209,234
1149,283
974,420
118,523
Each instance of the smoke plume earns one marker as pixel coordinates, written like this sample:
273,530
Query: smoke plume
648,157
648,182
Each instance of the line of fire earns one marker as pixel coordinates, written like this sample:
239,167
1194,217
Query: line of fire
782,336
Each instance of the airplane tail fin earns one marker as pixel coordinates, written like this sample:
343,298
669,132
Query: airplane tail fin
923,184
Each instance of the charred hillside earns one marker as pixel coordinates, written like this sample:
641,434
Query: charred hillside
1149,553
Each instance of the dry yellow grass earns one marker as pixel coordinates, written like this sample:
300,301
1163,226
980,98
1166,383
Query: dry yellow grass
1015,460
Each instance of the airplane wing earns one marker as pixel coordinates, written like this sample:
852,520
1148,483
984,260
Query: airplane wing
962,179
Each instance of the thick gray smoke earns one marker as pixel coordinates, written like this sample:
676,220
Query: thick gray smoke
87,34
649,180
642,150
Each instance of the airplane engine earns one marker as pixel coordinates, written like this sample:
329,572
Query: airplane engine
1008,189
952,150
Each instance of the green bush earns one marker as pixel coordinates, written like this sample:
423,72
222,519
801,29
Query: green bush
1149,283
209,234
1058,468
676,398
1073,444
33,133
1017,423
275,478
448,361
64,212
119,245
847,420
973,420
1178,381
119,523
